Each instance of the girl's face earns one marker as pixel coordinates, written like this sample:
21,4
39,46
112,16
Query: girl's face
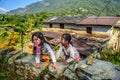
36,39
64,42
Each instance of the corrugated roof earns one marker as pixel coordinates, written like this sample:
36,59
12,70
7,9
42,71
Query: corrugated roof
99,20
65,20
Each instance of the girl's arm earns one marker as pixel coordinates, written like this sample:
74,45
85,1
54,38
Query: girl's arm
50,51
59,52
52,55
72,53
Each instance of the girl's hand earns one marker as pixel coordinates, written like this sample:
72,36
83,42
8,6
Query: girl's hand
38,65
35,44
65,62
55,66
77,60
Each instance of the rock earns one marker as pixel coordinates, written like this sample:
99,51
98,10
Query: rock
117,68
30,71
99,70
25,67
10,54
90,61
82,76
57,74
19,72
13,58
4,51
25,59
83,66
72,66
46,77
70,75
39,70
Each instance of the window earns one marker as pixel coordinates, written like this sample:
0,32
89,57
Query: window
62,26
50,25
89,30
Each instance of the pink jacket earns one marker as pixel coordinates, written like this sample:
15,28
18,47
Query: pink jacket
37,48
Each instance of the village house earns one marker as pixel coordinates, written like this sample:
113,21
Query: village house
63,22
104,24
100,23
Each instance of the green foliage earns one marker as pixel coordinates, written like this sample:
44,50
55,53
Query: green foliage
73,7
4,33
112,56
20,24
23,22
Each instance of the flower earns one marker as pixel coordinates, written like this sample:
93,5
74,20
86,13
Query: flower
30,46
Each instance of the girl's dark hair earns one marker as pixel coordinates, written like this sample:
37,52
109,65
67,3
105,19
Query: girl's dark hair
67,37
40,36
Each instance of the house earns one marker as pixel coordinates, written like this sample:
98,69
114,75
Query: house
103,24
100,23
63,22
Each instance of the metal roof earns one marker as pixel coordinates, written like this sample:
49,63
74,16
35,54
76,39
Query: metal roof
65,20
99,20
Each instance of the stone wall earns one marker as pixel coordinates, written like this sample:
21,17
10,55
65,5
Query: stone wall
24,66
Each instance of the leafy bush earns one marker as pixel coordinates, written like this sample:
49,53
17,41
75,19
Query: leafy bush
112,56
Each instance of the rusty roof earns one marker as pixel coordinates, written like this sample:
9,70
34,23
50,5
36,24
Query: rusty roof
99,20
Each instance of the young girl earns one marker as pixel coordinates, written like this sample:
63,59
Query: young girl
71,54
41,46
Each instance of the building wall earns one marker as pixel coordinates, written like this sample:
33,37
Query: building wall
46,25
53,25
75,26
104,29
101,28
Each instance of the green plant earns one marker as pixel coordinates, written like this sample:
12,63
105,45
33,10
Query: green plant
112,56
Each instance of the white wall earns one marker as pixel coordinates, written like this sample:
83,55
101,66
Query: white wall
94,28
56,25
53,25
101,28
75,27
46,25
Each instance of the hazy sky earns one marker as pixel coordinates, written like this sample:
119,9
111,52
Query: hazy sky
6,5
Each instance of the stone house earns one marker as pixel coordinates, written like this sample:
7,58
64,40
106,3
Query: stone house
63,22
89,24
104,24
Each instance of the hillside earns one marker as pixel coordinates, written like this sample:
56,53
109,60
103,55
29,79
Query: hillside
72,7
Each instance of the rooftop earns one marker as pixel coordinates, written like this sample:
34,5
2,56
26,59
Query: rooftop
85,20
99,20
65,20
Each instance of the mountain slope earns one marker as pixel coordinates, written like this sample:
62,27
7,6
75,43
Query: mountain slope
72,7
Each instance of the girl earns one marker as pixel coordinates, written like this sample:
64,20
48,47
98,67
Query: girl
71,54
41,46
